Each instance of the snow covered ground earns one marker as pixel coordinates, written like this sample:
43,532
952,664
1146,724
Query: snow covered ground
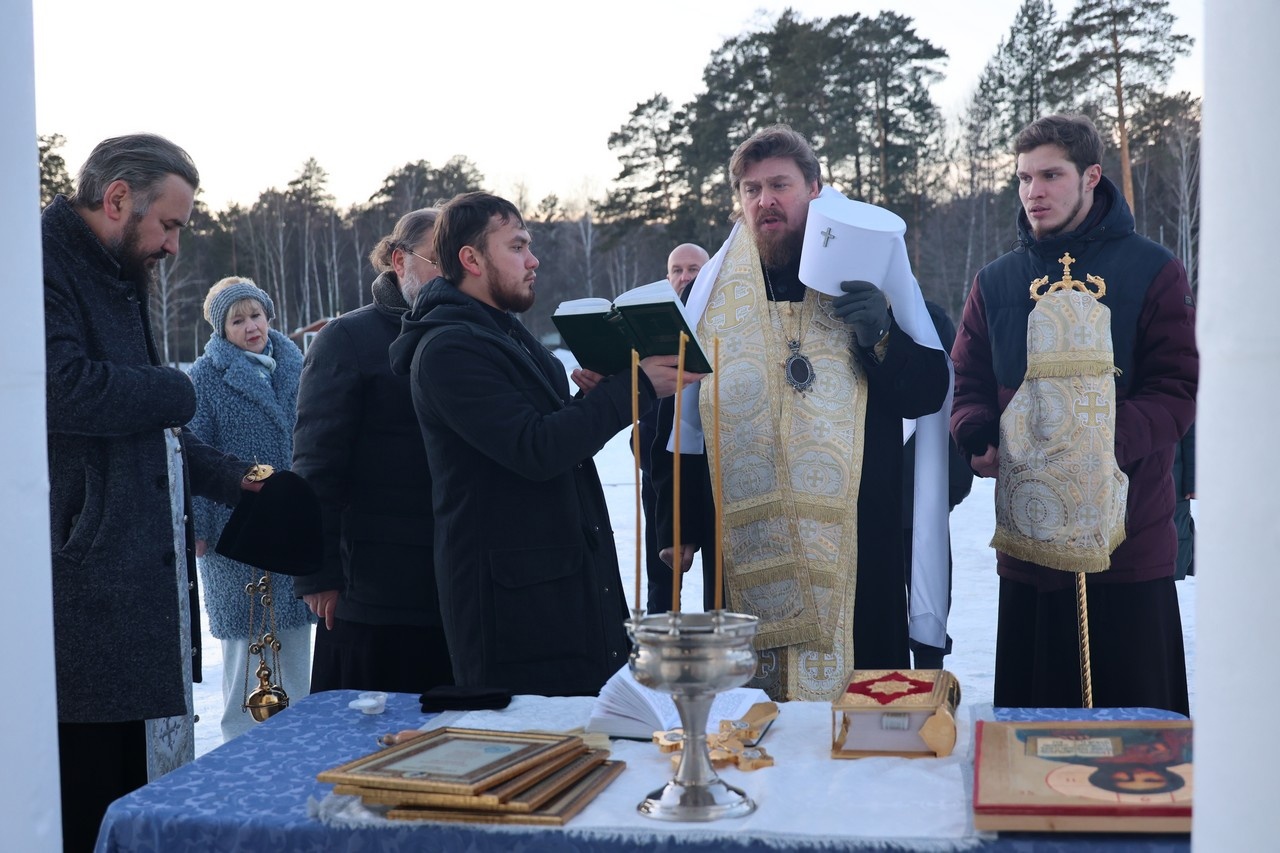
972,623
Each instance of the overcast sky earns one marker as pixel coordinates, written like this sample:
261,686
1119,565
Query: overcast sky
529,91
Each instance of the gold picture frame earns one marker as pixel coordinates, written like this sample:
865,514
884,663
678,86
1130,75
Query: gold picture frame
523,793
453,761
556,812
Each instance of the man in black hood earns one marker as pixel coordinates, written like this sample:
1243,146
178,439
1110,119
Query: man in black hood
525,561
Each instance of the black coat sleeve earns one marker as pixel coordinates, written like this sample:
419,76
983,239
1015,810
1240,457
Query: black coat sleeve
912,378
330,408
471,379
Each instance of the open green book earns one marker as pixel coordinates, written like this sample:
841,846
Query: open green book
649,318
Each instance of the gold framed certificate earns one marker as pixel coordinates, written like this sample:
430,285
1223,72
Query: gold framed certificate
453,761
555,812
530,790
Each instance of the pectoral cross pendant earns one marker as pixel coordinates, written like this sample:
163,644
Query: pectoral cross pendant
799,368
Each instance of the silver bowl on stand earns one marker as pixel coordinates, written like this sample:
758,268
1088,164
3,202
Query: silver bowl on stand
694,656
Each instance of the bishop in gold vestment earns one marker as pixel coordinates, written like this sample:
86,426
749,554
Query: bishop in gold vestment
813,390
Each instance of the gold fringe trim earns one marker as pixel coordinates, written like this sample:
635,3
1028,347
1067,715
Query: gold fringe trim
799,624
1070,370
767,511
774,508
1067,558
772,636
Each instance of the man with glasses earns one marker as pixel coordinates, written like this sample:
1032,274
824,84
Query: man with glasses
357,443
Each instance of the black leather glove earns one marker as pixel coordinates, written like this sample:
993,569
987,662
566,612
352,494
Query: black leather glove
863,306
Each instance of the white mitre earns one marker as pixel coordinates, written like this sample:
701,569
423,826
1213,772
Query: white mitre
847,240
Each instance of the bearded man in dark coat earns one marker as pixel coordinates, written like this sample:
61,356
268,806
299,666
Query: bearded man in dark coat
526,565
122,470
357,443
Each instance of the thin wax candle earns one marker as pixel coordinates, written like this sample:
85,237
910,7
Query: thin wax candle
676,551
635,455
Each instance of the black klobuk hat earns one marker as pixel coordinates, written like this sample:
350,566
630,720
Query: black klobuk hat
277,529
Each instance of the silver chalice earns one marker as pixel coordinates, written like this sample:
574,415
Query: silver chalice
694,656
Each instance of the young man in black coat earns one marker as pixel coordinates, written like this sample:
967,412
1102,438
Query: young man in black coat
525,561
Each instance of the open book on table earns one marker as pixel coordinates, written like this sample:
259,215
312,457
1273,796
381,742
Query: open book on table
649,318
626,708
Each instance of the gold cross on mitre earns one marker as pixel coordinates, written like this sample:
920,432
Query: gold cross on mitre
1041,287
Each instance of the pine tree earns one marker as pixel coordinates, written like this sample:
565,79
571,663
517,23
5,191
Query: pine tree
1120,50
54,178
648,149
1026,85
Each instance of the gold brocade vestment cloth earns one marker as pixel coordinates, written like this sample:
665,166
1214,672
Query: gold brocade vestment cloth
792,469
1061,496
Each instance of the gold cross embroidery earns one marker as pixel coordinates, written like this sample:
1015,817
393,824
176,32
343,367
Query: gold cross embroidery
821,665
737,304
1091,410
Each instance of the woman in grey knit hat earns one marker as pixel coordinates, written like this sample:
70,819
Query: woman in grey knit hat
246,404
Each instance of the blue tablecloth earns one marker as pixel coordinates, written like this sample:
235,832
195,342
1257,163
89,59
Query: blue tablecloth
252,795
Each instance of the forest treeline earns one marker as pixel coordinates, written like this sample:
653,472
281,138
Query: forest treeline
858,86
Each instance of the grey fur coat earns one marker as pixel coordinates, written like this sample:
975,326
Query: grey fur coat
240,411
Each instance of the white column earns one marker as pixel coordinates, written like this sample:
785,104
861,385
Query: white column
1237,444
29,806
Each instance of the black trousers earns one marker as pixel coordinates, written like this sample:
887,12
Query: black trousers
659,580
391,658
99,763
1135,641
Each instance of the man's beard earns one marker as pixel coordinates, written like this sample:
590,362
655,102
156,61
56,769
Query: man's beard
779,249
136,266
516,299
410,287
508,295
1066,223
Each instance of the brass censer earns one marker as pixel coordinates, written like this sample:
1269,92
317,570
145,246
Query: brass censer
268,698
